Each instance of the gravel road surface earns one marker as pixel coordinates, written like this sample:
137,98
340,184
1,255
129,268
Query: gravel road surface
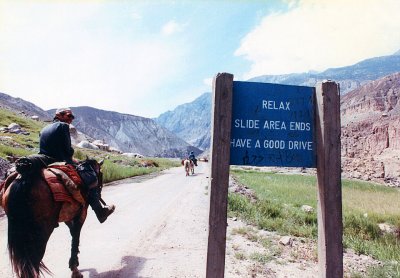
159,229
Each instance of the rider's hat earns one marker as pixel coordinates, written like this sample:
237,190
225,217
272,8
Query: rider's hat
63,111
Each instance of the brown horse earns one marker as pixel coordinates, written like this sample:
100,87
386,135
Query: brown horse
189,166
32,216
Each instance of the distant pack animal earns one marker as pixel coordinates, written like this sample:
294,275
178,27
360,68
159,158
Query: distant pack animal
189,166
34,209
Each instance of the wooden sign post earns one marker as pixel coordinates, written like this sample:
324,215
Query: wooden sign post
220,156
277,125
330,226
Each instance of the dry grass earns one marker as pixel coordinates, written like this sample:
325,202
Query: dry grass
378,202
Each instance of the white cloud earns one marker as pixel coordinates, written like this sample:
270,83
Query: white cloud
208,81
315,35
171,27
68,56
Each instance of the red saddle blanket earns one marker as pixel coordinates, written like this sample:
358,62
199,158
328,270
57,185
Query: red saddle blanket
65,185
64,182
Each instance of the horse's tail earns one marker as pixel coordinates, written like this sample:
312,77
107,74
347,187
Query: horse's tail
26,242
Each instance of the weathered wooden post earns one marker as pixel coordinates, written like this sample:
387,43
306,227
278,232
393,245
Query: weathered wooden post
220,155
263,124
330,226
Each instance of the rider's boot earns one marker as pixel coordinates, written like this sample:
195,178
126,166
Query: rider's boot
94,201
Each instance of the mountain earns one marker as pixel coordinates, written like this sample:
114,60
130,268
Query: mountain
190,121
124,132
370,142
372,100
129,133
349,78
23,107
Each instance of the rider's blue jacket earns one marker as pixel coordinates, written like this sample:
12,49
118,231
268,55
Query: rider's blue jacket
55,141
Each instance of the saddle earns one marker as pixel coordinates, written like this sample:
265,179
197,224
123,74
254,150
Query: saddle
64,183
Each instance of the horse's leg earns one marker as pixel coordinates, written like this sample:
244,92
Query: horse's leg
75,227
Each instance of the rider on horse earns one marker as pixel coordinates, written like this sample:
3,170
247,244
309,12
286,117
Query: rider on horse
55,145
193,158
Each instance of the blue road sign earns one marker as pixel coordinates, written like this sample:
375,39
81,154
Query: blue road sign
272,125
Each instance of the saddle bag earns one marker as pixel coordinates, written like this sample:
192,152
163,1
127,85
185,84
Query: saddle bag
87,174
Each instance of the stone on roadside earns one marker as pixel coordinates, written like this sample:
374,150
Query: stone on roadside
386,228
286,241
307,208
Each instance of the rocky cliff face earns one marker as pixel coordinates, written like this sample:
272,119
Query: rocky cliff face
130,133
371,131
190,121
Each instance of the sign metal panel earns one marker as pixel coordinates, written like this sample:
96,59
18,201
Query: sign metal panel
272,125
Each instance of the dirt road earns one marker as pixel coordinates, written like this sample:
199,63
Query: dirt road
159,229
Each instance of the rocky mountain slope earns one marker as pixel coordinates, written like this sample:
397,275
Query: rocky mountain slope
349,77
370,118
190,121
124,132
23,107
129,133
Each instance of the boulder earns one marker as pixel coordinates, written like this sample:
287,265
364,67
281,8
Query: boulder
13,127
286,241
87,145
386,228
137,155
101,145
307,208
4,167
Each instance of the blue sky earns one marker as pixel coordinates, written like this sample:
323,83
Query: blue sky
147,57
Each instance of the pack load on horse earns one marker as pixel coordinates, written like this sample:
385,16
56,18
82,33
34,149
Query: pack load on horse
35,199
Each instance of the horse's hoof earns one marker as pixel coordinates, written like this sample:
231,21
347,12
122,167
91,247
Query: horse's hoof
76,274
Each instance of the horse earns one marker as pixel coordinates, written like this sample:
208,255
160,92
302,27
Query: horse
189,167
32,216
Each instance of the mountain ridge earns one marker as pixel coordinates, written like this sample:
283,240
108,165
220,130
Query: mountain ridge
127,133
130,133
191,121
349,78
23,107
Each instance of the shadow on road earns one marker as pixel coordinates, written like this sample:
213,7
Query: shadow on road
131,267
